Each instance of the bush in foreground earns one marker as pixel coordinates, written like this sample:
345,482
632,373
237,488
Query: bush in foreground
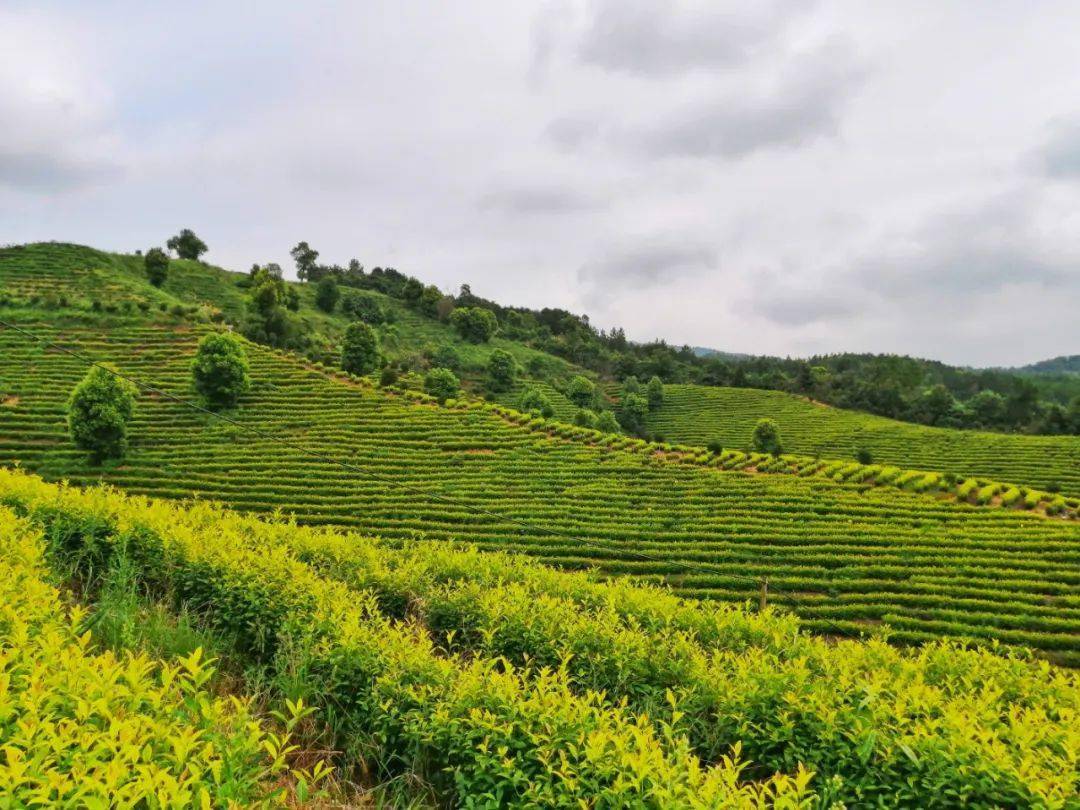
442,384
360,349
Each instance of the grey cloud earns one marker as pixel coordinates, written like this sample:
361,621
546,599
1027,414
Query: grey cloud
654,38
1060,155
49,172
571,132
805,105
643,266
800,307
536,200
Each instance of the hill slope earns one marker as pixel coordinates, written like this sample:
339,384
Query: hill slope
845,557
695,414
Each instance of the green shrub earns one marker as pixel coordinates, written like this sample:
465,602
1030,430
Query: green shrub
388,377
534,401
156,264
864,456
633,410
585,418
581,392
99,411
501,371
220,369
654,392
607,423
360,349
715,446
474,324
442,384
766,437
327,294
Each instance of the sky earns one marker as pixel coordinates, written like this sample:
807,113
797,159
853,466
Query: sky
784,177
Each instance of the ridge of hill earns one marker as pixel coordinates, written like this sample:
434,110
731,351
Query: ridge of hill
1065,364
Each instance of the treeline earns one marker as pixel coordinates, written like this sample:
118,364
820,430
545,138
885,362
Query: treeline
900,387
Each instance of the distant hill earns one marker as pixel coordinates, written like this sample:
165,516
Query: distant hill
1065,364
704,351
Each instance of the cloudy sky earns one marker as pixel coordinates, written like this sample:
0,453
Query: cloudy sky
783,177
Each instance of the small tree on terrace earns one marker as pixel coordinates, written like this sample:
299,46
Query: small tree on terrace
632,412
305,257
187,245
156,263
220,369
581,392
441,383
501,370
607,422
99,411
654,391
766,438
474,324
534,401
360,349
327,294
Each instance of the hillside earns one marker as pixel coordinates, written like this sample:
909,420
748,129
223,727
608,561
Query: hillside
1069,364
847,558
421,661
694,414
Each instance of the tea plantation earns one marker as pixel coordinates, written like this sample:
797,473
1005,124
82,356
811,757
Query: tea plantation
846,557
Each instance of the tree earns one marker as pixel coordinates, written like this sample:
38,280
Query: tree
305,257
631,385
412,292
632,412
581,392
607,422
99,411
501,370
441,383
156,263
446,356
933,405
430,299
988,408
187,245
220,369
864,456
474,324
327,294
766,438
654,391
534,401
360,349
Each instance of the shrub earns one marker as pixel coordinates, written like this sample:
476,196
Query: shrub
585,418
534,401
362,307
388,377
632,412
631,385
220,369
99,411
360,349
864,456
581,392
607,422
766,437
327,294
442,384
715,446
446,356
474,324
501,370
156,264
654,392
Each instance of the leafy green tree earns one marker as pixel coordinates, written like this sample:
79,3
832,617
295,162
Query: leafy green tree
501,370
99,410
474,324
430,299
631,385
327,294
305,257
534,401
715,446
632,412
156,263
933,405
987,407
388,376
363,307
442,384
446,356
654,391
412,292
607,422
581,392
585,418
220,369
360,349
864,456
187,245
766,437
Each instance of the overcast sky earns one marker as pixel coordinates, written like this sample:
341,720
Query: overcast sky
788,177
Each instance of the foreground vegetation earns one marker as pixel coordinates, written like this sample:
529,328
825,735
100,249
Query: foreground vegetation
497,681
848,557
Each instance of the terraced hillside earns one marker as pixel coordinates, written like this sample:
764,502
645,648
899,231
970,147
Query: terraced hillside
846,557
696,414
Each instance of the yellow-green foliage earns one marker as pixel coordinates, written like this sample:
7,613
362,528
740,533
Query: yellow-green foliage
509,680
82,729
481,730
